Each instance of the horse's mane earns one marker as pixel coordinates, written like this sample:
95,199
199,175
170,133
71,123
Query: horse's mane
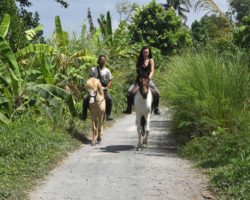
93,84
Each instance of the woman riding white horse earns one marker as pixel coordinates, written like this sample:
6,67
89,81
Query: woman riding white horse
142,105
97,107
145,64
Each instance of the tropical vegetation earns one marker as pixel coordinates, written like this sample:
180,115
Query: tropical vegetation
202,73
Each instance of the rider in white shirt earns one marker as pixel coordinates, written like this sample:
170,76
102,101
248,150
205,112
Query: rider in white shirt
104,75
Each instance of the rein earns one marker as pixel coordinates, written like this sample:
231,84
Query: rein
94,96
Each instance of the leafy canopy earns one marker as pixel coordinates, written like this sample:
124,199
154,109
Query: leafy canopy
239,9
159,28
211,29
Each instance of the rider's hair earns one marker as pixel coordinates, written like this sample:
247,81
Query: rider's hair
100,56
140,59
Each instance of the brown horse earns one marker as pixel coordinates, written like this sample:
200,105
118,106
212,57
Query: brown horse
97,106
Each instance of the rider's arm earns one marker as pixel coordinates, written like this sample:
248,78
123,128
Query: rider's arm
109,78
109,84
152,68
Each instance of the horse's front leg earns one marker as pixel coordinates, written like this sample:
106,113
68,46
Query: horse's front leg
138,123
94,131
100,127
145,141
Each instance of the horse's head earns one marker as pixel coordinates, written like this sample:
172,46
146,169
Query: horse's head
92,88
144,85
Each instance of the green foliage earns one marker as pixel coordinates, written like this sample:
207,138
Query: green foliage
207,91
212,30
181,6
14,86
159,28
210,6
29,148
31,33
105,24
242,34
21,20
91,24
227,156
50,92
4,25
239,9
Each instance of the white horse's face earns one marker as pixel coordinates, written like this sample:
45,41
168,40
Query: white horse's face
92,96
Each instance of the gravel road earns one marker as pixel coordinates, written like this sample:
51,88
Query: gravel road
114,170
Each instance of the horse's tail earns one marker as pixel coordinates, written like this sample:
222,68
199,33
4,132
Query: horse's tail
143,123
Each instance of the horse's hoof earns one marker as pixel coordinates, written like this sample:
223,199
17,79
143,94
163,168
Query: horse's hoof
138,148
92,143
99,139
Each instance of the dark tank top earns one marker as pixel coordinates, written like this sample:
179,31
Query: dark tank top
144,70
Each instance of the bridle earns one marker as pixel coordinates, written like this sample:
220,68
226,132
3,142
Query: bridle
141,85
94,96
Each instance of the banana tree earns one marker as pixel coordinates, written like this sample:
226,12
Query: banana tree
106,28
61,61
59,52
14,88
181,6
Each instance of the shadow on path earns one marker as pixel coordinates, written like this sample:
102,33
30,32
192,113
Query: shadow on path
79,136
161,142
116,148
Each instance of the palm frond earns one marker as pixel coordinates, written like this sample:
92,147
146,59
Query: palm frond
210,6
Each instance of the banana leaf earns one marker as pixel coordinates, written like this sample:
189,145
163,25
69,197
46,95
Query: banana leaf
61,36
49,92
4,119
9,57
4,74
4,25
45,69
75,79
36,49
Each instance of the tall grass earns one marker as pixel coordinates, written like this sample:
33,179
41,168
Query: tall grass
208,91
209,97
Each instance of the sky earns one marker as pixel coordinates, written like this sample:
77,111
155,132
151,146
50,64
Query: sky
75,15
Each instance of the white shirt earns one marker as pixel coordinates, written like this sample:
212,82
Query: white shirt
104,72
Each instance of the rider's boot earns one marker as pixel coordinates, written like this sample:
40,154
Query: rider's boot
85,106
156,104
130,99
108,109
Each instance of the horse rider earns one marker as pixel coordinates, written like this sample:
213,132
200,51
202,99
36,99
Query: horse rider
145,64
102,73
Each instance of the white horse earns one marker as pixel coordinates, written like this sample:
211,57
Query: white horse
97,106
142,105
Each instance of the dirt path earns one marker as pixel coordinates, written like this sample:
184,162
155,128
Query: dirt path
114,170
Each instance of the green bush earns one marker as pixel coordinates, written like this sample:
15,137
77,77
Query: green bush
29,148
228,158
207,92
